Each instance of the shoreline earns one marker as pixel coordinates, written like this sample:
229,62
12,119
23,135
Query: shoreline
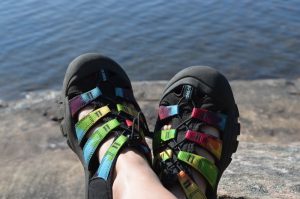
265,165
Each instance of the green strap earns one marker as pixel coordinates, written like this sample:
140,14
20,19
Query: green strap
82,126
201,164
127,110
167,134
97,137
190,188
109,157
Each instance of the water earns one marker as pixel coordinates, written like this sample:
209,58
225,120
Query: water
150,39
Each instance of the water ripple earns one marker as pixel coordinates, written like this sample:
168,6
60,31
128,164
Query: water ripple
152,39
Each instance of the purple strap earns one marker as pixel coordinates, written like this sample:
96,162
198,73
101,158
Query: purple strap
82,100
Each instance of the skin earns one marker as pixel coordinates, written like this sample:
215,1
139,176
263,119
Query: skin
135,179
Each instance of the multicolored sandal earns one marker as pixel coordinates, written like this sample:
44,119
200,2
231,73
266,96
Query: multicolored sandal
194,98
96,81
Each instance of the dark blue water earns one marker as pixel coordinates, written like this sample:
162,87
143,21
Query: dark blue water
150,39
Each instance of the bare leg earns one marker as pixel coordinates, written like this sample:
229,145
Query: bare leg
133,177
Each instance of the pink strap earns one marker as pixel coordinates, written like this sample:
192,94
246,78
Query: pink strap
209,142
211,118
167,111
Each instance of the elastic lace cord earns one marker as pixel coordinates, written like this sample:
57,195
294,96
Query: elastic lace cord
97,104
177,147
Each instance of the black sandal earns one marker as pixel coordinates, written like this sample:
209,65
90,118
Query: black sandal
195,97
99,82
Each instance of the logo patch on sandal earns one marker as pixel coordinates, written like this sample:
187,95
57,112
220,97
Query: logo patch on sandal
188,91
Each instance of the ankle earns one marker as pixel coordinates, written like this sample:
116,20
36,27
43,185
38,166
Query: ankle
130,158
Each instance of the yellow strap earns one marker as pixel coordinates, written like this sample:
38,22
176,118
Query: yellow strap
191,190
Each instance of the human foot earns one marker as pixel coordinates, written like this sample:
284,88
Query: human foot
99,108
196,132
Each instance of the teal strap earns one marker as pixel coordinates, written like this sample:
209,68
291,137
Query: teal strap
98,136
109,157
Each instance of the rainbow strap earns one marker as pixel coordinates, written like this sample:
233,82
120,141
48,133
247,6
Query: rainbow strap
190,188
109,157
82,126
215,119
82,100
97,137
209,142
201,164
167,111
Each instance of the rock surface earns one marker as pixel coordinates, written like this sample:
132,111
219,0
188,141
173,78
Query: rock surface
36,162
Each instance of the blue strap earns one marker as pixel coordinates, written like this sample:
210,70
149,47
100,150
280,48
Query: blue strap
97,137
109,157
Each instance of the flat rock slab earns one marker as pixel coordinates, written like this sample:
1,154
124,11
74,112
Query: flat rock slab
263,171
36,162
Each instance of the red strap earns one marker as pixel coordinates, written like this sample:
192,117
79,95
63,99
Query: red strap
128,123
209,142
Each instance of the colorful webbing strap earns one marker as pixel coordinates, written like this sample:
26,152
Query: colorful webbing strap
167,111
124,93
216,119
209,142
128,123
82,100
166,135
165,155
109,157
201,164
190,188
97,137
127,110
88,121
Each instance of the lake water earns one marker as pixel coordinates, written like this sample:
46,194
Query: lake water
152,40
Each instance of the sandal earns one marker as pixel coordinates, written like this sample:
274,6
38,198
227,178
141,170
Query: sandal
96,81
194,98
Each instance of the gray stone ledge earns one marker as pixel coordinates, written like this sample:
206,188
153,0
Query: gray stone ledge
36,162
